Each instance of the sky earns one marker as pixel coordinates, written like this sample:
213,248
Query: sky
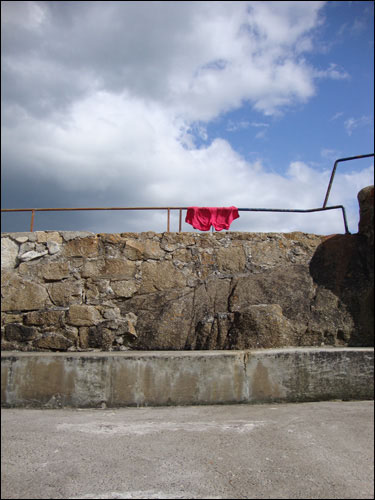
174,103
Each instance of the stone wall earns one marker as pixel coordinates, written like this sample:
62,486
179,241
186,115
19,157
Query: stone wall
78,291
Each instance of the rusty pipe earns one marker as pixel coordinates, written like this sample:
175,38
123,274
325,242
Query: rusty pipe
334,170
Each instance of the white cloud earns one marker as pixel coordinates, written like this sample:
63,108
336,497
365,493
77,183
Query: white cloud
333,72
259,124
261,135
239,125
330,154
353,123
337,115
126,152
199,59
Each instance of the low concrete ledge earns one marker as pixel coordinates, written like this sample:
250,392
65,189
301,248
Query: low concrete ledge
159,378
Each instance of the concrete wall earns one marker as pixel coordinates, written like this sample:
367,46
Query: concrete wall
54,380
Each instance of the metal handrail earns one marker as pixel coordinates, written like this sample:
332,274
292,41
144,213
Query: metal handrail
297,210
33,210
334,170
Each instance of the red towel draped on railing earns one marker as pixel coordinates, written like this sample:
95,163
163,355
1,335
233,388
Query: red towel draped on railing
203,218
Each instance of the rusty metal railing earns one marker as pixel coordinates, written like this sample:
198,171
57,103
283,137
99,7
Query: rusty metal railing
334,170
297,210
33,210
168,209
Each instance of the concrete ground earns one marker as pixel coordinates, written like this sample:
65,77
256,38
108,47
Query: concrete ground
302,450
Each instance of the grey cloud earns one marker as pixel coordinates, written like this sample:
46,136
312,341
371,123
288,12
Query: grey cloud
112,45
27,190
40,96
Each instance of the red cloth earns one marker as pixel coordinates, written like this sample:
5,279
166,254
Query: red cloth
203,217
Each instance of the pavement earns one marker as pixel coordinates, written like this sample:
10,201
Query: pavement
300,450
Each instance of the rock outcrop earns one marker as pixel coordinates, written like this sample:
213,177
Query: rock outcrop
185,291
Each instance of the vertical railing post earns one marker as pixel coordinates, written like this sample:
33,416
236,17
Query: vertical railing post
180,221
32,220
345,220
168,219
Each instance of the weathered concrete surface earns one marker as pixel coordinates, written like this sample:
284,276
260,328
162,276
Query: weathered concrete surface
55,380
306,450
